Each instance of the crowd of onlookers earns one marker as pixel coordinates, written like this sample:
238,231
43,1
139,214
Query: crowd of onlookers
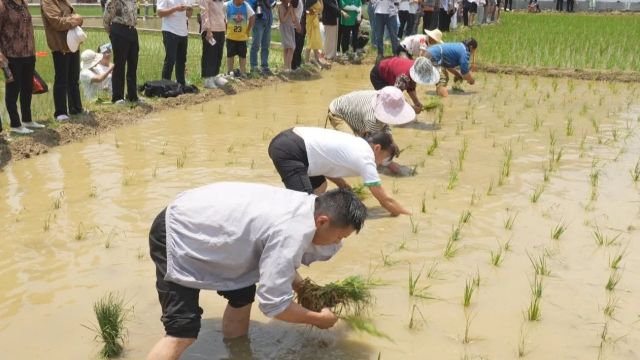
320,31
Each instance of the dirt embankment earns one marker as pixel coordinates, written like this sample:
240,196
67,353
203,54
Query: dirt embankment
79,127
582,74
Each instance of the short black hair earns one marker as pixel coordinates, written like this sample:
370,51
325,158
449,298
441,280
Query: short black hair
385,140
471,43
343,208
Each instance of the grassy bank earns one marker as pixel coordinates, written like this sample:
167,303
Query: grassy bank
150,63
580,41
84,10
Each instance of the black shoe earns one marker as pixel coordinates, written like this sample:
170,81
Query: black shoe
267,72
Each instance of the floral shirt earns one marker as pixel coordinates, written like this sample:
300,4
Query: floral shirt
16,30
122,12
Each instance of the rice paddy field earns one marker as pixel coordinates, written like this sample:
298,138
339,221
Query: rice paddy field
522,242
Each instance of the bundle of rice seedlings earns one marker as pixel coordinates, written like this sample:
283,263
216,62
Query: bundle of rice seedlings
112,315
350,296
457,87
360,191
432,102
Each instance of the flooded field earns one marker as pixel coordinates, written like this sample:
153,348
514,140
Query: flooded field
517,162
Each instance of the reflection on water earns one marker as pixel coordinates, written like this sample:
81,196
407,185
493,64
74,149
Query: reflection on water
75,222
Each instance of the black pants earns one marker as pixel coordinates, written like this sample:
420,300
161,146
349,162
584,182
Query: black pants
406,23
508,3
66,83
289,156
124,41
175,48
376,80
212,55
297,52
570,4
22,85
559,5
444,20
348,36
429,22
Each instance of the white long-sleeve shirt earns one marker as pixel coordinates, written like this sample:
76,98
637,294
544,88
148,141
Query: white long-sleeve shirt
227,236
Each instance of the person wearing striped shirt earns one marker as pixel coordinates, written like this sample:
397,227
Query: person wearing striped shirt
367,111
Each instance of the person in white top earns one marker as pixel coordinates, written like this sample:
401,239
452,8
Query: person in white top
416,45
175,14
228,237
105,64
305,157
91,78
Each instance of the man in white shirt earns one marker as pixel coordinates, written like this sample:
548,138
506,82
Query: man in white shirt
228,237
175,14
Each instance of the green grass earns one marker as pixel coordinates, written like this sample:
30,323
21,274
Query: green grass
541,41
86,10
112,314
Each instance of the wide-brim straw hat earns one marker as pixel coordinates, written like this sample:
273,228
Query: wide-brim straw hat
435,35
89,59
423,72
390,107
75,37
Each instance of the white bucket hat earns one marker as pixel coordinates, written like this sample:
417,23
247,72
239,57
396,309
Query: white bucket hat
423,72
435,35
89,59
75,37
390,107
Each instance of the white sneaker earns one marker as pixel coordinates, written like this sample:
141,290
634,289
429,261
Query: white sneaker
33,125
21,130
62,118
120,102
209,83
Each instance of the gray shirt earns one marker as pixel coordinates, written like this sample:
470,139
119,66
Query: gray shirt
357,110
227,236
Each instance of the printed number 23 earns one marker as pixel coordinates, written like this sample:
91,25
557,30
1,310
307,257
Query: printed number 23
237,29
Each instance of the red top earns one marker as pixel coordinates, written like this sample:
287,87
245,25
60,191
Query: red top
397,68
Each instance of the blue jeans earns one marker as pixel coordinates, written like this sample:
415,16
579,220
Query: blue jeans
389,22
372,21
261,34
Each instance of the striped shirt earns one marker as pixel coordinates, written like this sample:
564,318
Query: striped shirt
356,109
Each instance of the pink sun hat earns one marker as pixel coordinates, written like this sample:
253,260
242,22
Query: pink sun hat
391,108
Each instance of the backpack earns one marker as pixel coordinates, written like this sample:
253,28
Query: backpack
161,88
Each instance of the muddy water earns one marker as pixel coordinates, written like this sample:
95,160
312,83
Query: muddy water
74,225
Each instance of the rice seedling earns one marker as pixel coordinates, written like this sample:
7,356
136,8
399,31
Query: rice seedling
595,125
554,84
509,221
464,218
614,279
415,224
163,150
558,230
614,262
537,122
386,259
459,127
47,224
477,279
453,177
467,326
522,343
468,293
462,153
611,307
497,257
635,172
474,198
455,232
423,203
57,201
558,157
450,249
552,138
546,173
508,156
537,192
116,141
490,187
81,232
414,290
440,114
614,134
359,190
602,239
128,178
350,296
362,324
539,263
533,311
434,144
414,322
569,129
536,286
181,159
140,254
112,314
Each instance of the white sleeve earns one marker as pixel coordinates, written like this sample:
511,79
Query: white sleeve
369,173
163,4
250,11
